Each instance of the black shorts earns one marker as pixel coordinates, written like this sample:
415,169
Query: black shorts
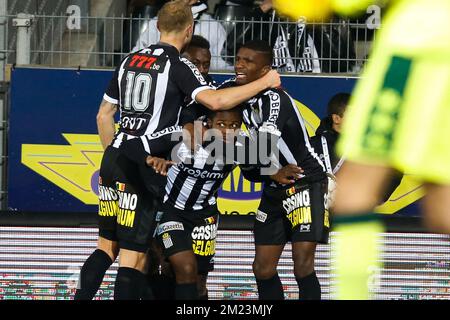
127,205
190,230
296,213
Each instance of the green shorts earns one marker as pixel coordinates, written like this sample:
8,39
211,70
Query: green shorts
399,114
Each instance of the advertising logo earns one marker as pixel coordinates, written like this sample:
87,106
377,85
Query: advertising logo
74,167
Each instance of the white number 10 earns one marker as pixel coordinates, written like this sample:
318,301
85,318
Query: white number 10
138,91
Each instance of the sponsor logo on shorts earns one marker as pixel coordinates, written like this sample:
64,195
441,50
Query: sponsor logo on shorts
107,208
298,208
120,186
127,207
261,216
305,228
204,240
107,193
290,191
210,220
169,226
167,240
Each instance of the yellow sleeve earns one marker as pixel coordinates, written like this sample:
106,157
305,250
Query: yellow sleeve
318,10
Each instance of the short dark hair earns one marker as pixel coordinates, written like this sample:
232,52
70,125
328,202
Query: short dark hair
212,114
262,47
338,103
199,42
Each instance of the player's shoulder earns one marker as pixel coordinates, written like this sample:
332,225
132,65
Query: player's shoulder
228,83
276,95
277,92
182,64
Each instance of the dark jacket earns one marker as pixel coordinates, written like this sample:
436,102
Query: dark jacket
326,132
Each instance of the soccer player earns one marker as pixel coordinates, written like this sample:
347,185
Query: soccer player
294,212
188,227
290,211
148,87
160,274
398,118
198,53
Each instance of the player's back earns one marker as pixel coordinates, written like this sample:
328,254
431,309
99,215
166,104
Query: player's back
150,86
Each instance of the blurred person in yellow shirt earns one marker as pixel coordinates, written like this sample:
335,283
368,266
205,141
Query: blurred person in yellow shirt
398,119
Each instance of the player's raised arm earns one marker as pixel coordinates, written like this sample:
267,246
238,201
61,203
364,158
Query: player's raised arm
191,82
228,98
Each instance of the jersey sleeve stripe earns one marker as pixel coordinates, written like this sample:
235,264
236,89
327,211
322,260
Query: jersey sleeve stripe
109,99
146,145
198,90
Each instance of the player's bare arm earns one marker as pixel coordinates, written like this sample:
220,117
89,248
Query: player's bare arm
228,98
105,122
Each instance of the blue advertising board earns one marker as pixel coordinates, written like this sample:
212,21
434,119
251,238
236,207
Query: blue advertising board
55,152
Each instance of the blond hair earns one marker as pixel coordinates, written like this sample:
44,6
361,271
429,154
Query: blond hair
174,16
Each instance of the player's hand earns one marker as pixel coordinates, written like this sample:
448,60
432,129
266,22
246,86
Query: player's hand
160,165
288,174
272,79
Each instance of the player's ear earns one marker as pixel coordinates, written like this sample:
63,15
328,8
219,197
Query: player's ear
265,70
189,31
337,119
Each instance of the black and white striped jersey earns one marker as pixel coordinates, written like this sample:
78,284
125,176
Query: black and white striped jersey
324,144
273,111
192,184
150,86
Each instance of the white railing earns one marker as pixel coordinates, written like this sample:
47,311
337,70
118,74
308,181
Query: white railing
61,40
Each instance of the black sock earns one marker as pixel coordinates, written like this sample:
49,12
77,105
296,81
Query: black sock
91,275
162,286
270,289
203,296
130,284
186,291
309,287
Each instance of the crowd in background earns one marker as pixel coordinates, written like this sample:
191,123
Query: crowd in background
298,46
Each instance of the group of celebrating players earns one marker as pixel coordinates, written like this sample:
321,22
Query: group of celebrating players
158,211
